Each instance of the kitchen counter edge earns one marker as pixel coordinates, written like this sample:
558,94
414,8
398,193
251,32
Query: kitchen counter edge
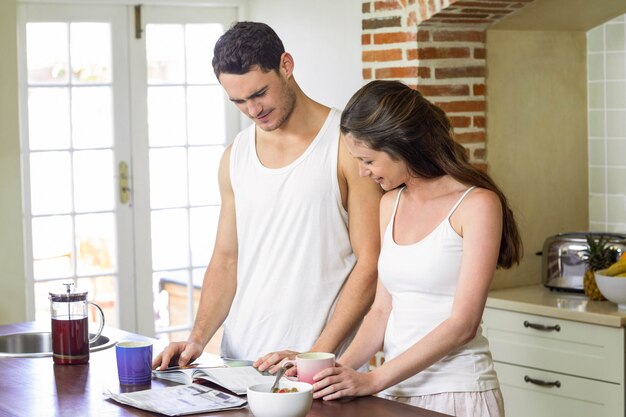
538,300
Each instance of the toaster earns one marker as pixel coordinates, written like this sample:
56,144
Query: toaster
563,266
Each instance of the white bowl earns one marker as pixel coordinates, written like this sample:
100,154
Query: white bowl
264,403
612,288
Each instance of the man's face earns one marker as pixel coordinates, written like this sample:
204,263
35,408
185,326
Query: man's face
265,97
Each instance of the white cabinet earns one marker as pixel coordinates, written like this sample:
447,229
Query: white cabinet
554,367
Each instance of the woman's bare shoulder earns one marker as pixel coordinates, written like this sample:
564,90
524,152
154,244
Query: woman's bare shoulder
482,196
387,202
480,202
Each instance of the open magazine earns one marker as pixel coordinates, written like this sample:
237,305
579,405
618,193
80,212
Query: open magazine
179,400
236,380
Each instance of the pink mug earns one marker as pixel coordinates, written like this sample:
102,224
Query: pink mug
311,363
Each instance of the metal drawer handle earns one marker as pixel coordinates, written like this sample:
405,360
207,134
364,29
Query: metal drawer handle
542,327
542,383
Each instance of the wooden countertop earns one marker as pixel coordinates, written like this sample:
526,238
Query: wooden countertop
536,299
37,387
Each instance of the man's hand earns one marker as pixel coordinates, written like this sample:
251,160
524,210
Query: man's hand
177,354
272,360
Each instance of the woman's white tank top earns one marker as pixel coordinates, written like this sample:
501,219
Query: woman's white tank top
294,246
422,279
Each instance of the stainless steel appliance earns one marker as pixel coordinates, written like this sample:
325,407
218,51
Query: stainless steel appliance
563,266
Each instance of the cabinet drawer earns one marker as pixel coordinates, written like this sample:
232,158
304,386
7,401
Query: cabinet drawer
575,397
579,349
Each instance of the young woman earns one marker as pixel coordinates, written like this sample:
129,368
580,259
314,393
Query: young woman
445,228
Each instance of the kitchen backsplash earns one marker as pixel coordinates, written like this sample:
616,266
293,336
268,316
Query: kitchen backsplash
606,77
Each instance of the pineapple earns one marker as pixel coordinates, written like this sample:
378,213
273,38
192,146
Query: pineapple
599,255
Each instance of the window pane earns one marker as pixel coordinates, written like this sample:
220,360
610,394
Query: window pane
200,42
42,302
166,116
50,183
165,50
92,119
170,240
203,168
93,181
172,299
168,177
46,53
48,118
91,52
52,246
102,291
206,116
203,229
95,244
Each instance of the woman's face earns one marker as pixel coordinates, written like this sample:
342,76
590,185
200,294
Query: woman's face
379,166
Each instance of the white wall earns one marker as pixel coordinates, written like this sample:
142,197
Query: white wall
324,37
537,136
12,287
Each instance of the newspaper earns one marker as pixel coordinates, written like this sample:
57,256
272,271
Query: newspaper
235,380
179,400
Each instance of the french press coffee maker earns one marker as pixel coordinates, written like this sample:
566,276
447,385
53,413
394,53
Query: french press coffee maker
70,330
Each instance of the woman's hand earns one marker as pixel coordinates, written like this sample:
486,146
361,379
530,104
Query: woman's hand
342,381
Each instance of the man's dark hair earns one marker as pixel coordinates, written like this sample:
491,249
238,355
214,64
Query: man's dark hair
246,45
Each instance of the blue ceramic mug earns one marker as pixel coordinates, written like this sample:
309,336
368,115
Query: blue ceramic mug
134,362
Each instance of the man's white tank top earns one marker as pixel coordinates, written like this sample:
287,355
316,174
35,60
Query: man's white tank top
294,251
422,280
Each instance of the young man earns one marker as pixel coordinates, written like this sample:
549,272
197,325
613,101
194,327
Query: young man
289,272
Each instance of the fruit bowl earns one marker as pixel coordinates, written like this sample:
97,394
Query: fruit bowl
264,403
613,288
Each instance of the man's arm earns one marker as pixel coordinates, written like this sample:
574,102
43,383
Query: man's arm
220,280
361,198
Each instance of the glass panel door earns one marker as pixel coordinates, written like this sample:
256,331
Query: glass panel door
74,91
109,116
190,122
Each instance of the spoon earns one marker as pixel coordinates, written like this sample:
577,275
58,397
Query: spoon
279,375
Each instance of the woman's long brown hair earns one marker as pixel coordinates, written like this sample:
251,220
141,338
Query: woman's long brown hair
391,117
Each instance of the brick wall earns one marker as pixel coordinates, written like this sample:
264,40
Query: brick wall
437,47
